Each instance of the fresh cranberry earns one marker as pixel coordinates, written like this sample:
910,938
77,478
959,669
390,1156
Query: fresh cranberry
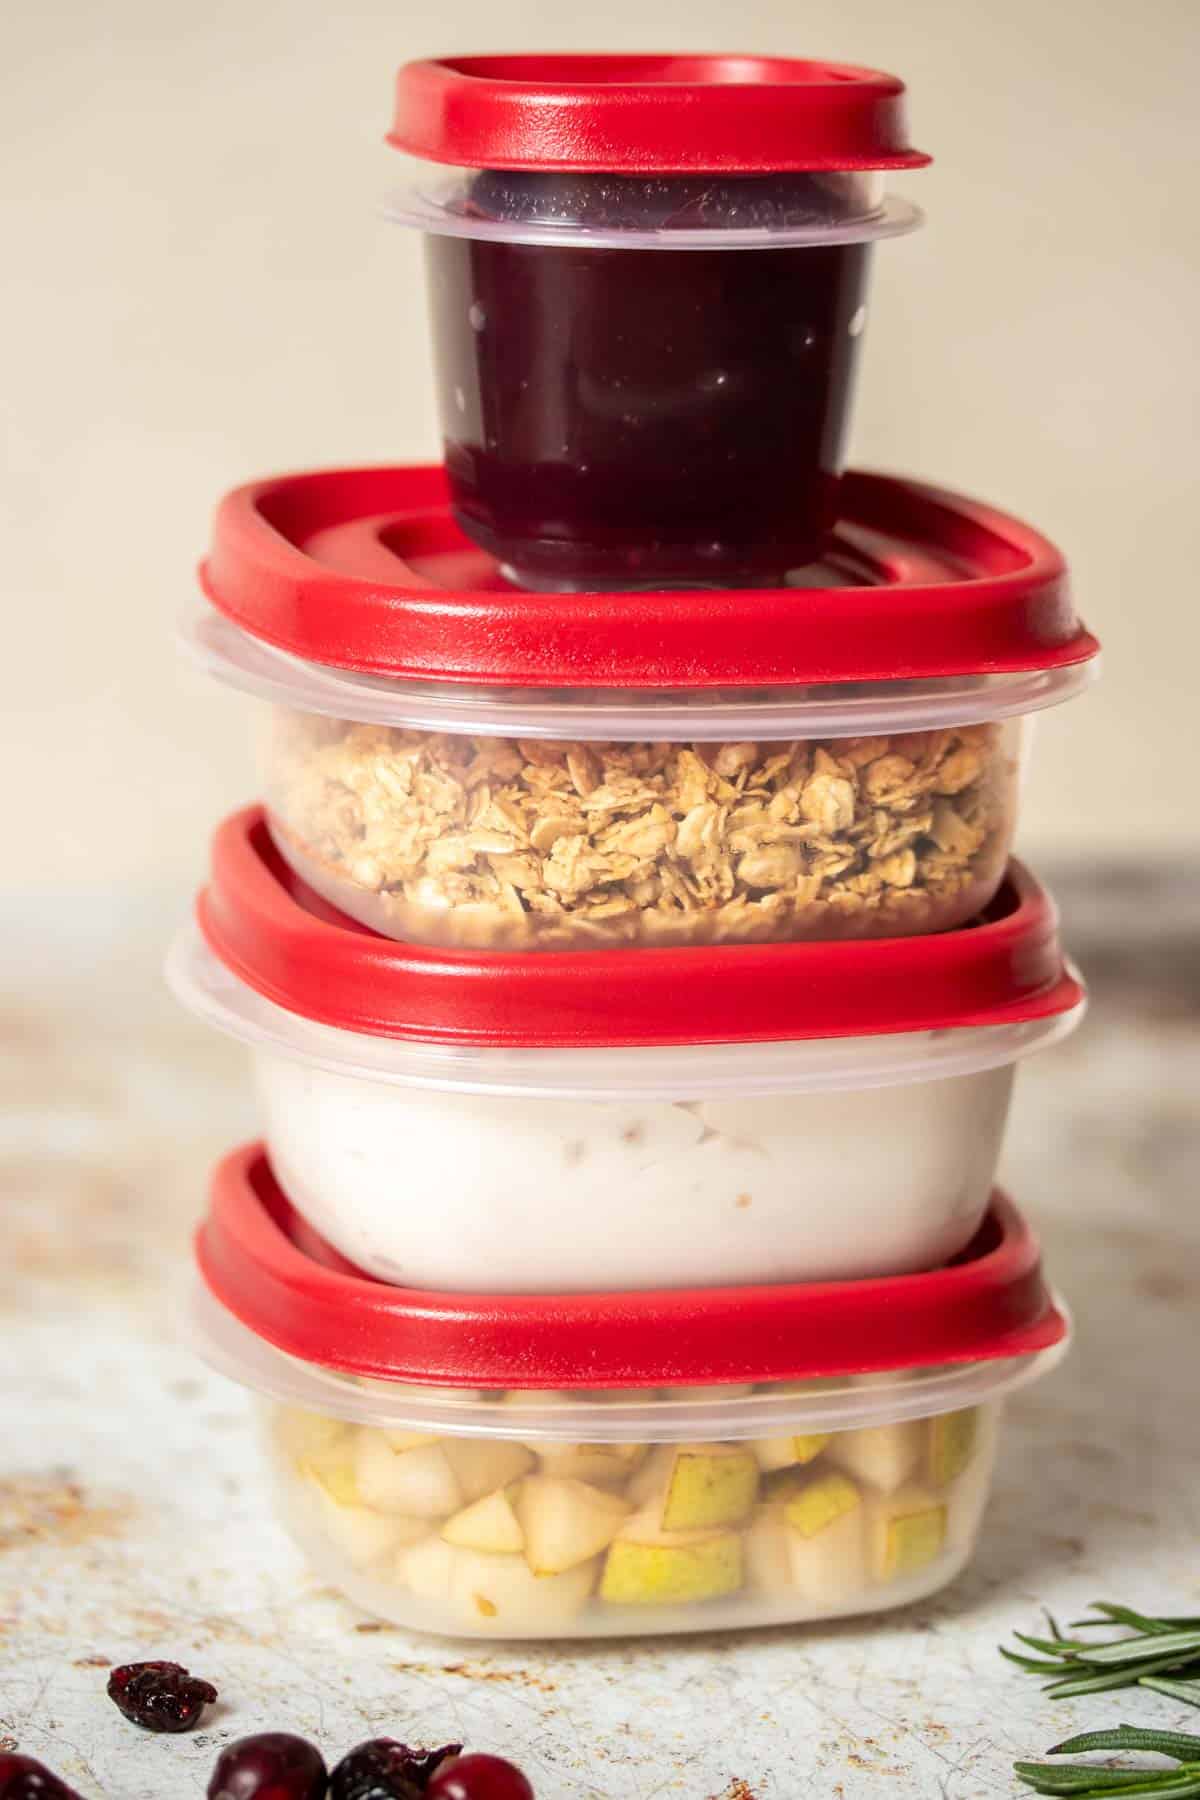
23,1779
160,1696
479,1778
273,1765
382,1769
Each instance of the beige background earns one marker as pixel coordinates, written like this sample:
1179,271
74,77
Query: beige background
200,290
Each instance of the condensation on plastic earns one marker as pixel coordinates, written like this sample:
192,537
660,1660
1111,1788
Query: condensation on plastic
860,709
437,204
690,1072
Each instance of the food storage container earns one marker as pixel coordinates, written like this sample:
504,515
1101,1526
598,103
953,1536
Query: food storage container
626,1464
647,286
624,1119
457,764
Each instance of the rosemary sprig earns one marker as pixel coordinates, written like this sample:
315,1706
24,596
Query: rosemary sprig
1160,1653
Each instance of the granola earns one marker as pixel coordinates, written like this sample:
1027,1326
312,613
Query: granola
522,843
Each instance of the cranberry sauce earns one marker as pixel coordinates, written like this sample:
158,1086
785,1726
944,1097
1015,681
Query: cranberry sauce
636,416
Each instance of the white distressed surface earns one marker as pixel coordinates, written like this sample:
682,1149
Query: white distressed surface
133,1522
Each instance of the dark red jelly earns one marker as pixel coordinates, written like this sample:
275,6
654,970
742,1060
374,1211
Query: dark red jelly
646,416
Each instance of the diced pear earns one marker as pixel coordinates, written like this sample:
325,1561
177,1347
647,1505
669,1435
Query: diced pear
784,1452
426,1567
406,1440
830,1566
483,1464
820,1502
767,1542
566,1522
419,1483
334,1472
884,1456
304,1435
502,1594
647,1566
601,1465
697,1485
362,1536
908,1531
487,1524
953,1438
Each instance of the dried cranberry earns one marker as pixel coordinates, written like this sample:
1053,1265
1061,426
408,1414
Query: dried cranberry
382,1769
23,1779
273,1765
160,1696
479,1778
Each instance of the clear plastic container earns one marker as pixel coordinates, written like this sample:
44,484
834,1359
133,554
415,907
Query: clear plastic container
644,367
458,1166
511,843
517,1514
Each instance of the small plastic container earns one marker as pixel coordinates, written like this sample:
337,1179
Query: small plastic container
624,1119
647,284
456,764
629,1465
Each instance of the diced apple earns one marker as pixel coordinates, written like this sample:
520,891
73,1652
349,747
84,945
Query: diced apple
907,1531
785,1452
488,1524
566,1522
647,1566
419,1483
884,1456
482,1465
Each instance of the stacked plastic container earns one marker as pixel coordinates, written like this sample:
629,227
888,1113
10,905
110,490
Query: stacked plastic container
628,945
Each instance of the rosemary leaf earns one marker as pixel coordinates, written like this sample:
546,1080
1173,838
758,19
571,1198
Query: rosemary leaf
1088,1780
1178,1744
1031,1663
1187,1691
1063,1647
1125,1615
1183,1645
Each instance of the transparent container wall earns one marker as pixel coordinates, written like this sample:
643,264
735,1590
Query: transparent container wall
554,1194
623,417
470,1536
506,843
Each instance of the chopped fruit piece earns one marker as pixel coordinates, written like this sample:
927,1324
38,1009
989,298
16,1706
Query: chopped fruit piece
484,1464
647,1566
502,1594
420,1483
767,1542
363,1536
273,1765
160,1696
406,1440
426,1568
479,1778
306,1436
709,1485
829,1566
604,1465
566,1522
952,1440
649,1481
820,1502
488,1524
783,1452
334,1472
382,1769
884,1456
908,1531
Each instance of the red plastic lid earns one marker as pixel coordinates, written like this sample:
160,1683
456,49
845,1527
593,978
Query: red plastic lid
281,1280
632,114
365,569
289,945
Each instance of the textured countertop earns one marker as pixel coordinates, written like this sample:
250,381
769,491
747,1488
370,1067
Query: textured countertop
133,1522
